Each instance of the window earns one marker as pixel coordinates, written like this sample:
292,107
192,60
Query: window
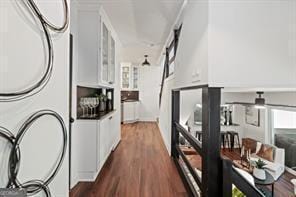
283,134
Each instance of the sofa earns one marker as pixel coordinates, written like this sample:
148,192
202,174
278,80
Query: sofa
276,167
287,142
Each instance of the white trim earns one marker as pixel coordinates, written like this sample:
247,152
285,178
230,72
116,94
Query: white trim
169,78
115,145
164,141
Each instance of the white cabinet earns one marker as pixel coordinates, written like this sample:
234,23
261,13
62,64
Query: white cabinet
92,143
108,55
96,50
104,53
88,47
104,141
125,78
130,111
135,75
129,77
112,61
84,149
108,136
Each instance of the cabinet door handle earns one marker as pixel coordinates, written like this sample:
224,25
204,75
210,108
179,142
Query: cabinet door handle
110,117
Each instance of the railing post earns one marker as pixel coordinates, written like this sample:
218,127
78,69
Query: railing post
227,178
211,161
175,118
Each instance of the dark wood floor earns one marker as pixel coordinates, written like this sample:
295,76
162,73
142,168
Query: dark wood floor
140,166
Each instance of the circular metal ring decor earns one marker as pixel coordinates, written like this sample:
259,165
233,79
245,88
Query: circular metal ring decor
33,186
46,25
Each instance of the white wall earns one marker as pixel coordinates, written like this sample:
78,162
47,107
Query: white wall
149,88
22,61
252,43
252,39
191,64
165,115
225,43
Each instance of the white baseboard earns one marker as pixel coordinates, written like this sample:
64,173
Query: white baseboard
148,119
130,121
87,176
164,141
116,144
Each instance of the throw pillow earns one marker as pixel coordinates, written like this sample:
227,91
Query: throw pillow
249,144
266,152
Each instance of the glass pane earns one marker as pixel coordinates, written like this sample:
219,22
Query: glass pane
105,55
112,60
284,135
125,76
135,79
191,112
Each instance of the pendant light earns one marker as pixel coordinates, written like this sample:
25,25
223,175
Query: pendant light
260,101
146,63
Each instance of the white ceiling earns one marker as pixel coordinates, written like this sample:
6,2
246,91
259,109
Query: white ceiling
142,26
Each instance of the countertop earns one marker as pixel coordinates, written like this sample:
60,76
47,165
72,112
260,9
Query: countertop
100,116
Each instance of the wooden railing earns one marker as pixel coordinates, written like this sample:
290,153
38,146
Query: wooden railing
218,174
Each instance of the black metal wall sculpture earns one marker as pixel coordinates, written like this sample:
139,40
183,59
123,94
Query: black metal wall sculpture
34,186
46,26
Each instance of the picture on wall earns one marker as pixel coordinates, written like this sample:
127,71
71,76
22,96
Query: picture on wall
252,116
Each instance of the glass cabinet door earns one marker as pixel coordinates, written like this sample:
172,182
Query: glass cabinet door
112,61
135,77
125,77
105,53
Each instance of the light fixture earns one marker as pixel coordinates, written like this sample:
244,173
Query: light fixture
260,101
146,63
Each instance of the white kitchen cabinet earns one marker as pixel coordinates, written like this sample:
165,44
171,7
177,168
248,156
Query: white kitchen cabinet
129,77
108,136
84,149
104,53
125,77
104,141
108,55
112,60
92,143
115,129
88,43
96,49
130,111
135,77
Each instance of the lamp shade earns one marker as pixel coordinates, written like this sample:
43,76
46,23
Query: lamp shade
146,63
